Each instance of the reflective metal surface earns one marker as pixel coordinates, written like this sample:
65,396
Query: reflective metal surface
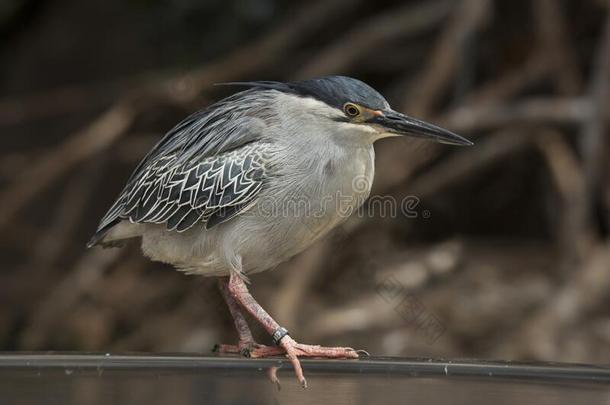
180,379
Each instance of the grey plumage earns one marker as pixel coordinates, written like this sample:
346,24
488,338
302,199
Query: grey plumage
254,179
195,173
201,199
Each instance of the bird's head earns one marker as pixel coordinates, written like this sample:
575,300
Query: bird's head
353,106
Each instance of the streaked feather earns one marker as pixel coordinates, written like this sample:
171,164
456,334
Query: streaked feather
207,166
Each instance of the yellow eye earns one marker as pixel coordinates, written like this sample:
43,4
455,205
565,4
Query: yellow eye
351,110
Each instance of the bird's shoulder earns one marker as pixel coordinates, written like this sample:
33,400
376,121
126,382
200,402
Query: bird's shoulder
224,126
207,168
209,189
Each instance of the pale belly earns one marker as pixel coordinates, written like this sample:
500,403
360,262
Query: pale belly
302,218
288,217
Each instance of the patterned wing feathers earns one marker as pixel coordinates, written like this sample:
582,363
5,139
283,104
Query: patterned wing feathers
182,196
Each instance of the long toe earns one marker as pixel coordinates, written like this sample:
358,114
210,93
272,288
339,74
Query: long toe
259,351
295,350
250,349
304,350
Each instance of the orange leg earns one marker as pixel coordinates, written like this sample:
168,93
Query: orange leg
238,291
246,345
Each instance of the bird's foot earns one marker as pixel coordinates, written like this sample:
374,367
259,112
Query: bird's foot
290,349
294,350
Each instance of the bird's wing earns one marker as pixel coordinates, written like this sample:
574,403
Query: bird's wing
206,169
210,190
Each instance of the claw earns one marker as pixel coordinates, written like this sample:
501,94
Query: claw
272,373
295,350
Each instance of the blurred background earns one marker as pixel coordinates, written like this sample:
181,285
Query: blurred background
505,253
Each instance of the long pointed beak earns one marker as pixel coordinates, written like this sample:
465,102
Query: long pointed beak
401,124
